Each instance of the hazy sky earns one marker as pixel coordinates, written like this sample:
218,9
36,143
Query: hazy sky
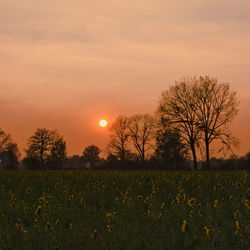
67,63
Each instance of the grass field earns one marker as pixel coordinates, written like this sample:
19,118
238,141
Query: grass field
124,210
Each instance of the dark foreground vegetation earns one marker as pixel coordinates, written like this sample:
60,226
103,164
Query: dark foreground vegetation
124,210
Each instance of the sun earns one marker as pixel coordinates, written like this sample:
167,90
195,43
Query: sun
103,123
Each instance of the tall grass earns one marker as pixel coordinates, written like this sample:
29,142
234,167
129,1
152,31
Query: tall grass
124,210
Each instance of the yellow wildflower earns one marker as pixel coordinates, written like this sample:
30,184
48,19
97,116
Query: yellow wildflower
41,199
139,197
159,216
110,228
207,231
35,223
38,210
109,215
184,226
237,227
94,234
246,204
236,213
18,223
178,198
20,226
215,203
191,202
47,226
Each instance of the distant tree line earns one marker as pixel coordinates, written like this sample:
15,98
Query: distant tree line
191,115
9,152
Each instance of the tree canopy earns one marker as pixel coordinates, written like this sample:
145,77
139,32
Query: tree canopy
201,109
47,147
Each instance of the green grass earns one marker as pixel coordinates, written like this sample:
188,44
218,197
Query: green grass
124,210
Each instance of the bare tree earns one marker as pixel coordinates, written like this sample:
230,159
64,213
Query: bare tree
176,106
141,130
202,109
119,138
215,106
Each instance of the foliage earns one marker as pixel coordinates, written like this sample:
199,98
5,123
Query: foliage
7,145
170,149
5,141
8,160
91,154
176,106
124,210
74,162
131,161
9,152
47,147
31,163
58,154
39,145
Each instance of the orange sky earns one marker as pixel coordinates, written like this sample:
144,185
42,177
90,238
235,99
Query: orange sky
66,64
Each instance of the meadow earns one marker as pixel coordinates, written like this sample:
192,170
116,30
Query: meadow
124,210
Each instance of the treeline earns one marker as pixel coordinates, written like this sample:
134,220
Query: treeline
191,115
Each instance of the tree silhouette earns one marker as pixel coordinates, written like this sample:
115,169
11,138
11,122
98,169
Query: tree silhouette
119,138
5,141
39,145
91,154
141,132
47,147
9,152
8,160
169,147
6,144
58,154
202,109
176,106
215,106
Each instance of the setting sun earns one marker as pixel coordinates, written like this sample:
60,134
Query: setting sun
103,123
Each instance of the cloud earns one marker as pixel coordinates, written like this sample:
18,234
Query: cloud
95,20
64,58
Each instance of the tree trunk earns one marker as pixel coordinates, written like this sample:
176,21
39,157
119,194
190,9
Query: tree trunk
194,157
207,156
122,160
143,156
